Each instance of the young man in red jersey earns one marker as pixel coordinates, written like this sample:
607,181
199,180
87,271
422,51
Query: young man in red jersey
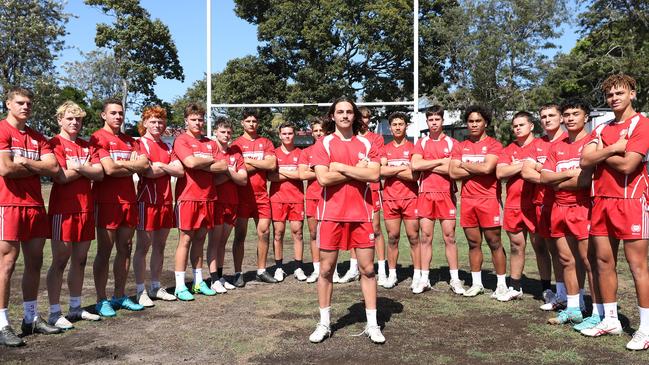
259,155
71,214
116,206
287,201
313,194
570,212
25,156
195,200
474,162
618,151
155,203
227,185
435,201
519,194
399,195
344,163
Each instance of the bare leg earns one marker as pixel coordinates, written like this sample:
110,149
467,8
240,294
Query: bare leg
122,262
61,252
498,257
517,241
368,279
298,241
325,284
158,253
240,231
393,226
142,244
263,235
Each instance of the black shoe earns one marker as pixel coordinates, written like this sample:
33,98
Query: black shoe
266,278
39,326
238,281
8,337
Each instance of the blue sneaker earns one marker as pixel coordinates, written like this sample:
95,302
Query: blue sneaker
126,303
184,294
104,309
202,288
589,322
572,315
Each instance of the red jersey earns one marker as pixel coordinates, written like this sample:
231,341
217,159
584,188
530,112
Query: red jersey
350,201
119,148
287,191
196,185
613,184
256,149
564,156
228,191
519,192
155,191
24,191
313,189
376,140
540,154
76,196
431,149
479,186
396,188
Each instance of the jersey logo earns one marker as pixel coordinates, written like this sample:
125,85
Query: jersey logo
209,147
294,159
361,155
405,153
34,142
623,132
261,145
445,150
635,228
451,212
111,143
560,153
484,149
497,219
85,150
14,139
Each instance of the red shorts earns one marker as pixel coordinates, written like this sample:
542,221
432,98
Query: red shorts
480,212
193,215
345,235
376,200
73,227
115,215
282,212
257,208
225,213
543,214
513,220
402,208
155,217
311,207
570,220
436,205
18,223
626,219
529,217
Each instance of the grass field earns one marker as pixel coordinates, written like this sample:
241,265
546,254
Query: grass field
265,323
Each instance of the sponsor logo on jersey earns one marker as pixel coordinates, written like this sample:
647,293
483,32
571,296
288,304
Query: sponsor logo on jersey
635,228
111,143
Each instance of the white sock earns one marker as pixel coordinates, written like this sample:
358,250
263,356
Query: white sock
596,311
477,277
416,274
139,287
381,267
55,308
393,273
180,279
455,274
561,290
30,311
573,301
316,267
198,276
353,265
4,317
501,280
75,303
155,285
610,310
644,320
424,275
371,317
260,271
325,316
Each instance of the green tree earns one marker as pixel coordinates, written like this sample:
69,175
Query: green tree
97,74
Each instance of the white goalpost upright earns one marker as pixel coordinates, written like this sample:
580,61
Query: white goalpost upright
208,74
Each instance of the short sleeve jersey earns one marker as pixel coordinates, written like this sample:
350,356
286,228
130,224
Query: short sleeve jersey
313,189
75,196
24,191
396,188
256,149
155,191
540,154
196,185
564,156
519,192
480,186
432,149
228,191
377,142
287,191
350,201
118,147
607,181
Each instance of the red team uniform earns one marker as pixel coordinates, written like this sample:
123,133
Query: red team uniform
345,210
619,201
154,194
195,191
480,194
287,197
22,211
71,205
436,198
313,189
399,196
520,193
376,140
228,196
253,198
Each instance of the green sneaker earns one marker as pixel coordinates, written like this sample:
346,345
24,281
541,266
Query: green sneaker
572,315
589,322
202,288
104,308
126,303
184,294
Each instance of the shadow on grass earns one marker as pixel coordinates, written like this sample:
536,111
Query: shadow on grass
386,307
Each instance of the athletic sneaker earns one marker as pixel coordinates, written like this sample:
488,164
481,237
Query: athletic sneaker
144,300
572,315
78,314
126,303
640,341
227,284
57,320
9,338
457,286
313,277
500,290
589,322
608,326
474,290
218,287
511,294
374,333
556,303
336,278
350,275
265,277
280,274
548,296
321,332
238,280
299,274
382,279
184,294
422,286
202,288
162,294
105,309
38,326
413,283
390,282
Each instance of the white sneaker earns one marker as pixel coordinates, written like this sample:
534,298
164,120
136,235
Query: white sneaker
226,284
336,277
81,314
500,290
299,274
374,333
548,296
422,286
608,326
457,286
144,300
321,332
161,293
350,275
314,277
474,290
381,280
640,341
218,287
554,304
511,294
57,320
413,284
279,274
390,282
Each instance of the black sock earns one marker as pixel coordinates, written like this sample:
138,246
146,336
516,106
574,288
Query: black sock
516,283
279,264
546,284
219,272
298,263
214,276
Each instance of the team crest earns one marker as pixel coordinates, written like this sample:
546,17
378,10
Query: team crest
209,147
451,212
34,142
635,228
405,153
623,132
445,150
497,219
361,155
261,145
484,149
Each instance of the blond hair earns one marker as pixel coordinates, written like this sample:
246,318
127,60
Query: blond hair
70,107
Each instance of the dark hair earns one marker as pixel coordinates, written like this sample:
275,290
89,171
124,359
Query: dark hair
435,110
549,106
575,104
110,101
524,114
329,125
398,115
286,125
19,90
484,112
194,109
317,120
222,122
249,112
619,80
365,111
